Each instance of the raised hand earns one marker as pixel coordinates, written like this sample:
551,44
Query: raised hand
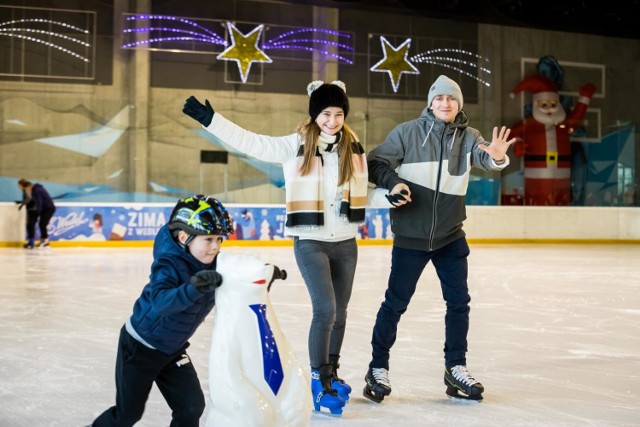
587,90
196,110
499,144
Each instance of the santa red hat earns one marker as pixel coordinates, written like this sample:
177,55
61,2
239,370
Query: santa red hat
536,84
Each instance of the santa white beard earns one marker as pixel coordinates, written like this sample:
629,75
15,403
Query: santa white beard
549,116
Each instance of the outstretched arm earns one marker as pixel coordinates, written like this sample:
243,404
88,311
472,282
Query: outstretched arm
276,149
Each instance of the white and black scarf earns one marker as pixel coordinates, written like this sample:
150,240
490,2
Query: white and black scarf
305,201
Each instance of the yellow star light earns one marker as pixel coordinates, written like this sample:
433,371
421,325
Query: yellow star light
395,62
244,50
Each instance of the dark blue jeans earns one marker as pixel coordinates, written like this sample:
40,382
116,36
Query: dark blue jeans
328,269
407,265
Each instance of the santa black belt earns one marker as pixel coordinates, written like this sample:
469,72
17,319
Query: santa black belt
543,158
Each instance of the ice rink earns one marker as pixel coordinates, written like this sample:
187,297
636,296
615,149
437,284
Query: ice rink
555,336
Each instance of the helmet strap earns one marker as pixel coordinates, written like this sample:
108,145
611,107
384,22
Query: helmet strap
189,239
185,244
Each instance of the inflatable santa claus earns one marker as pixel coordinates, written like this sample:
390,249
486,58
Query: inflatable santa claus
544,141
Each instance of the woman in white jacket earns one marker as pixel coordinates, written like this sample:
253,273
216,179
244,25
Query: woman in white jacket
326,176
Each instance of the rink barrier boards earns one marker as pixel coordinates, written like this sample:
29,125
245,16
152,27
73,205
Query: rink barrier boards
136,224
285,243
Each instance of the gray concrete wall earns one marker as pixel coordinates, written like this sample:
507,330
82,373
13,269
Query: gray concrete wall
160,145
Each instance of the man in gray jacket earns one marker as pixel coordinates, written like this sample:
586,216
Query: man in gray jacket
425,164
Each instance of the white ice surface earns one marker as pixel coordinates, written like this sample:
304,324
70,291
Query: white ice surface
555,336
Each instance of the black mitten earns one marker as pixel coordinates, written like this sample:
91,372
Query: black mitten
277,274
395,198
206,280
202,113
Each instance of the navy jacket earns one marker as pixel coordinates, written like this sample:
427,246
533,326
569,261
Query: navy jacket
170,308
40,199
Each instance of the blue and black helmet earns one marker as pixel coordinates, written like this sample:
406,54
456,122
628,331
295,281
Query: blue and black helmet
201,215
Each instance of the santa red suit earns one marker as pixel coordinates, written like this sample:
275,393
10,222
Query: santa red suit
543,140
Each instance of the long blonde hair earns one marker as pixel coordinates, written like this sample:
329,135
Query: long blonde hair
310,132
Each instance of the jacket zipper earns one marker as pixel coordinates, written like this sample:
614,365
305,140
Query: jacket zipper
437,192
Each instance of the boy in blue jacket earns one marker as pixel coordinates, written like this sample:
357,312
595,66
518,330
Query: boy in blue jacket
153,342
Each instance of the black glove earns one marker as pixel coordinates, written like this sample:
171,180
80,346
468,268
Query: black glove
395,198
277,274
202,113
206,280
20,204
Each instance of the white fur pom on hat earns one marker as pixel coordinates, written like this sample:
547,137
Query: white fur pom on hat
313,86
445,86
323,95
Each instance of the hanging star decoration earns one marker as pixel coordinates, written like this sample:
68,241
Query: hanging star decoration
177,34
244,49
395,62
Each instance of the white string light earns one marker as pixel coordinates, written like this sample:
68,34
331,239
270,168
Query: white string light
45,21
458,70
55,46
47,33
9,29
428,58
419,59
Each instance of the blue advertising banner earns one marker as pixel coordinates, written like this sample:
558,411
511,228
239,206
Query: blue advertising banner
96,223
80,222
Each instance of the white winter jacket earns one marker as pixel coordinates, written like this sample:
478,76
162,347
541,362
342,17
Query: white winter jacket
283,150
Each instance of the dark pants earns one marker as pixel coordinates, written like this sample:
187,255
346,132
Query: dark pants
137,368
407,265
43,221
328,269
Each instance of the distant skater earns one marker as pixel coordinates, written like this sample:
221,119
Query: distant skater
40,209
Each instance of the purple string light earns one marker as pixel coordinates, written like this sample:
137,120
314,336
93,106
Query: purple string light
271,44
310,49
308,30
210,35
279,42
191,36
163,39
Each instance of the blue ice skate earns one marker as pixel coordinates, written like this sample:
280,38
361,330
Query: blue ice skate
337,383
324,396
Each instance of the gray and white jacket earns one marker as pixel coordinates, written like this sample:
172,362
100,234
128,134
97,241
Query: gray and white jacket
434,159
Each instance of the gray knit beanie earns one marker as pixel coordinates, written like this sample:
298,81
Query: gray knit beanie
445,86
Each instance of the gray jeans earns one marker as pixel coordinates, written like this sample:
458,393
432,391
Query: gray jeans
328,269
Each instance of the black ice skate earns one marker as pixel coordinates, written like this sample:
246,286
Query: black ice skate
378,385
460,384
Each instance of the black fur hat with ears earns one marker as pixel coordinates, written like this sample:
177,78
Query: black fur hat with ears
323,95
